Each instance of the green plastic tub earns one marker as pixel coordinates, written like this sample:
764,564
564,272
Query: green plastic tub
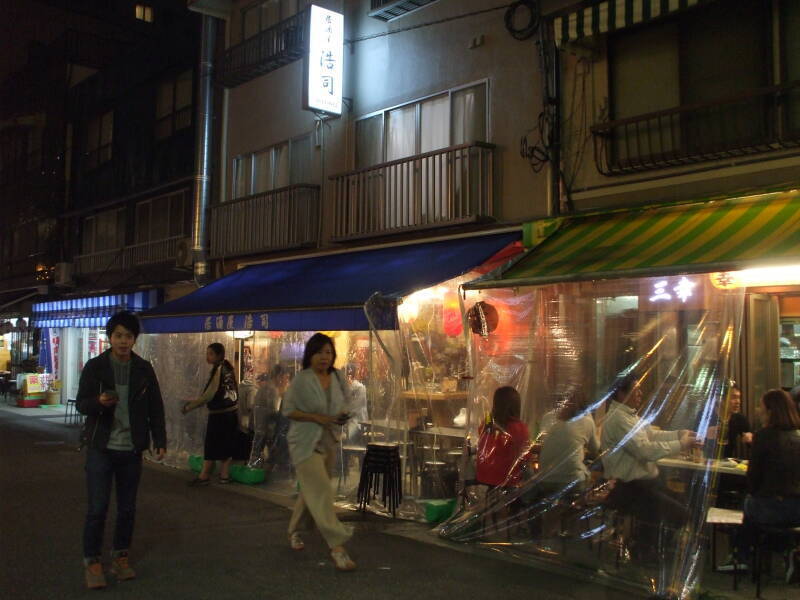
243,474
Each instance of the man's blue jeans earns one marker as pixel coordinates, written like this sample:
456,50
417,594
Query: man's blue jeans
125,469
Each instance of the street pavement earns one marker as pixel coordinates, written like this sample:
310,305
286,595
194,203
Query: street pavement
221,542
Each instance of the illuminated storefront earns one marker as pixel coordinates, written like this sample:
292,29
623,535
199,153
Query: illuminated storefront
73,332
681,302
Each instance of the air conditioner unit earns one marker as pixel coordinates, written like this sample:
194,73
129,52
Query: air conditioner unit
63,275
183,254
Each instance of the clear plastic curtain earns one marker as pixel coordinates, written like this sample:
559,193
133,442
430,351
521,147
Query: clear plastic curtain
579,492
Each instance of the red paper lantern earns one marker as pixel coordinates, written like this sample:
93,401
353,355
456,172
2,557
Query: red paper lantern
483,318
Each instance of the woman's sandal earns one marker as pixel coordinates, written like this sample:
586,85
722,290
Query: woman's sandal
296,542
342,561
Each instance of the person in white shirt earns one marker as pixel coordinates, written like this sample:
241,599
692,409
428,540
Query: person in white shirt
631,448
569,440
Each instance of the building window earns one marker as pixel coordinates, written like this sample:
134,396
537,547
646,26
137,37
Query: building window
454,117
162,218
104,231
278,166
263,15
144,12
174,105
99,140
705,58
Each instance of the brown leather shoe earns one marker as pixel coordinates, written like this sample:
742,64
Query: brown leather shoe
120,567
95,579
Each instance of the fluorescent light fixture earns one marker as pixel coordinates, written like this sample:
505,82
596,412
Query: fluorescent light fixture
788,275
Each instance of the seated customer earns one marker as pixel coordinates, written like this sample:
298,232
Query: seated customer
773,476
631,448
565,447
740,434
503,441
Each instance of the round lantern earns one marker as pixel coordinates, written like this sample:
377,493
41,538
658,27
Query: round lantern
483,318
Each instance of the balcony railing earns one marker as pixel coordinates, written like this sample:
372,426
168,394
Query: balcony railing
445,187
96,262
150,253
756,121
275,220
117,259
266,51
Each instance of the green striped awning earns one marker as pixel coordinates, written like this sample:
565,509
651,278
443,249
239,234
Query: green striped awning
612,15
720,235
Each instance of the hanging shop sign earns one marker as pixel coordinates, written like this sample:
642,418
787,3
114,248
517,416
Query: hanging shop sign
322,90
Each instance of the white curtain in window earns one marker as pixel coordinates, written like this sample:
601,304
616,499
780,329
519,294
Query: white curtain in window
142,222
241,176
434,176
401,130
300,169
262,172
434,123
369,141
281,158
469,115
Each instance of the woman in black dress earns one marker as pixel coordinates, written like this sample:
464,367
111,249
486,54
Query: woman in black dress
221,398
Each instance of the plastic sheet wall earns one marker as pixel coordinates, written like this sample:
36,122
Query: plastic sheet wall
180,364
571,344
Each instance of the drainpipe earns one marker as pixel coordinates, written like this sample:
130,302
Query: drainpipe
205,115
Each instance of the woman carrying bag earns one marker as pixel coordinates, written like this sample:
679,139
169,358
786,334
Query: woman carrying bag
221,399
316,405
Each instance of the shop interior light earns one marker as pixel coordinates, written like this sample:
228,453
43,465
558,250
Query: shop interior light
242,335
727,280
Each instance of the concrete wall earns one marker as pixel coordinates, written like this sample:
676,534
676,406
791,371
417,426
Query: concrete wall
586,100
401,67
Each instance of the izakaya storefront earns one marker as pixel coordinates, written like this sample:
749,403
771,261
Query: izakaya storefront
680,301
73,332
395,319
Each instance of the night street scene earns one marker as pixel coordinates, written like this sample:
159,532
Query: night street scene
402,299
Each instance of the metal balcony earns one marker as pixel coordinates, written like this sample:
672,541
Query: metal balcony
756,121
266,51
118,259
276,220
445,187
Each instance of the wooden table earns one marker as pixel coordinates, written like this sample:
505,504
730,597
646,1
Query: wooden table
442,405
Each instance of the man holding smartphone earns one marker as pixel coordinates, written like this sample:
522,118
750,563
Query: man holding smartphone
120,396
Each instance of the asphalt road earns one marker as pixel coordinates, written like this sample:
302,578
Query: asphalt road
217,543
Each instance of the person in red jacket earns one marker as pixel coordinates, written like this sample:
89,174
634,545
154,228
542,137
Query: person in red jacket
503,442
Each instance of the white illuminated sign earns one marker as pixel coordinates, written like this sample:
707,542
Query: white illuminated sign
682,290
324,72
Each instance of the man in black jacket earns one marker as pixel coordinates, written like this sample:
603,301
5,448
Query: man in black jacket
120,397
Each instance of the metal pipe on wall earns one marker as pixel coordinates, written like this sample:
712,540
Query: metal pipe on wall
205,114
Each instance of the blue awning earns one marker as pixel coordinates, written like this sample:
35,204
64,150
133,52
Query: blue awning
91,311
325,292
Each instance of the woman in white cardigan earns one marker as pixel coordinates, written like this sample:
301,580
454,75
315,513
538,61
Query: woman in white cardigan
316,403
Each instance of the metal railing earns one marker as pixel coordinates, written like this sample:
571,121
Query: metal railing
445,187
117,259
96,262
759,120
276,220
149,253
266,51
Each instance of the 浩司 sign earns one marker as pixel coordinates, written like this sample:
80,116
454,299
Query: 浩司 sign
324,69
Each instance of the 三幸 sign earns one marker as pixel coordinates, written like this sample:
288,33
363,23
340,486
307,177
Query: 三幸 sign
324,69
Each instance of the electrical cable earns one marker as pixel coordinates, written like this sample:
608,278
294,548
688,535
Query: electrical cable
534,19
